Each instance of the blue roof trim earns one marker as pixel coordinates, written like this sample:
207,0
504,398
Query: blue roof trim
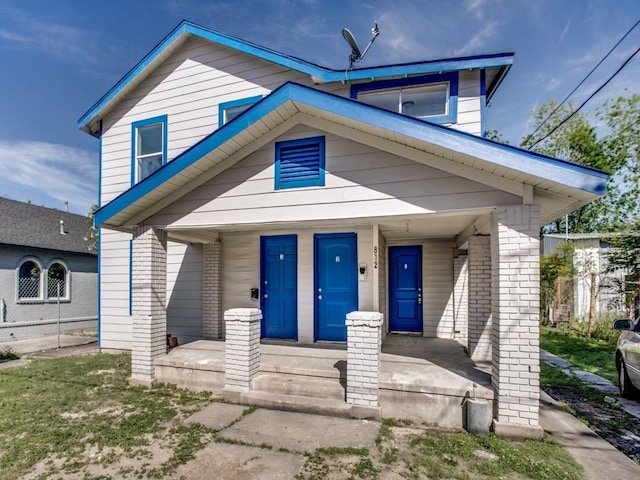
505,155
321,74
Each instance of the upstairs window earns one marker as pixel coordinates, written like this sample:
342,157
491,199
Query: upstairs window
227,111
432,97
149,147
57,281
299,163
29,280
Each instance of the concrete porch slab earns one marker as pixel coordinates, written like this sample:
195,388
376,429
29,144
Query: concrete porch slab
218,415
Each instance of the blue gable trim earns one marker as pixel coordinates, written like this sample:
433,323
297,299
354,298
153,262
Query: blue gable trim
320,74
584,178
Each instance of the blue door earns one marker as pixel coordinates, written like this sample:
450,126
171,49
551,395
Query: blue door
336,284
279,280
405,289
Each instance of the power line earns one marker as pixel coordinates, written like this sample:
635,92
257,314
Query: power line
584,79
565,120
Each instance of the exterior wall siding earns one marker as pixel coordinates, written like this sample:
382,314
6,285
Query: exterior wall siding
241,271
360,181
24,319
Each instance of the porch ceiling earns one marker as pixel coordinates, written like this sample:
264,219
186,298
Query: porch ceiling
556,185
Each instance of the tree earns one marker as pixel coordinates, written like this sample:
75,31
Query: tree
624,256
93,233
556,275
576,141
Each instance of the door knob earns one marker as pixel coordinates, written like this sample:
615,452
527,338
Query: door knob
266,296
319,297
419,300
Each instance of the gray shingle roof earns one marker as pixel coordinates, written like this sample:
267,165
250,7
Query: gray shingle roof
29,225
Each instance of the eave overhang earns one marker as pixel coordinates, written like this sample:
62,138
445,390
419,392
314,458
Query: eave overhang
496,64
475,157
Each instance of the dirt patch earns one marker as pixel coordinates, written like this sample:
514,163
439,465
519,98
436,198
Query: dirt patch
610,421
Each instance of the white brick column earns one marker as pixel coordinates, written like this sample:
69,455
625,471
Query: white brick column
212,319
515,306
364,340
461,297
479,332
241,350
149,302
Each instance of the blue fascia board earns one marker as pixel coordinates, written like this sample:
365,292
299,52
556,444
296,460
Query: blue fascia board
585,178
320,74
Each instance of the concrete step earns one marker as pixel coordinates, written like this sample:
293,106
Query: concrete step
297,403
326,388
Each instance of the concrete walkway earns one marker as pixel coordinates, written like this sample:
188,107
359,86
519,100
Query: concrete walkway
47,344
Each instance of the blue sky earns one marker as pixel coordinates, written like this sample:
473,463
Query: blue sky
58,58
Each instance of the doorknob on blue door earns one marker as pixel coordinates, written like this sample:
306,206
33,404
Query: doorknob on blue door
266,296
319,297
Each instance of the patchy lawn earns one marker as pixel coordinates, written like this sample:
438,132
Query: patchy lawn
588,354
77,418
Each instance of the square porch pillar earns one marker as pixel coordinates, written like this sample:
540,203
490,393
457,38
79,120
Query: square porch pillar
364,342
212,318
149,302
515,308
479,316
241,350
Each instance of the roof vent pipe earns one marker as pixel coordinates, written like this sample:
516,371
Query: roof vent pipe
62,230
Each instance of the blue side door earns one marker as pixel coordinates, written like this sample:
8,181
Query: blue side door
405,288
279,281
336,284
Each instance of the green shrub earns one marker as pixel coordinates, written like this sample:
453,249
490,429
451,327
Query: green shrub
603,329
6,353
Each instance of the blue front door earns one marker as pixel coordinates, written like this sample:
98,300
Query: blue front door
336,284
279,279
405,289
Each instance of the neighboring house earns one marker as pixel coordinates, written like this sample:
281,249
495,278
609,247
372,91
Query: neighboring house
236,176
47,272
590,265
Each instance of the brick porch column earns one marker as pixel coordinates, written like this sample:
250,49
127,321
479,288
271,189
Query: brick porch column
212,319
241,350
479,327
149,302
515,307
364,341
461,297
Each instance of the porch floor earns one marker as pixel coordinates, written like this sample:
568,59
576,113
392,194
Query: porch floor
422,379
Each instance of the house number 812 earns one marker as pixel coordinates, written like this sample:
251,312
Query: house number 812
375,257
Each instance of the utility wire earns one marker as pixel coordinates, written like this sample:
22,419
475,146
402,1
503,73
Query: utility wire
565,120
583,80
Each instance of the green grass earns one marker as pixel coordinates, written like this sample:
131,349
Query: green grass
58,409
6,353
590,355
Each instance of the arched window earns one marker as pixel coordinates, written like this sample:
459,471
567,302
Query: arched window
29,280
57,280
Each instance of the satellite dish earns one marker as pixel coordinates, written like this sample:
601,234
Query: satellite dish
356,55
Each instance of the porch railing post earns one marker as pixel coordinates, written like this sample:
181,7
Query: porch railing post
241,350
364,341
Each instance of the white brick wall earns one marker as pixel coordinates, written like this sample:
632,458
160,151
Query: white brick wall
241,348
515,310
461,298
212,318
479,333
149,301
364,339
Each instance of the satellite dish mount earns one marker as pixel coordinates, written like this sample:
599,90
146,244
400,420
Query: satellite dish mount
356,54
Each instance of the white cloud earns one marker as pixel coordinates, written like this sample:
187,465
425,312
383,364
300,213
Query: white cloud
479,40
49,174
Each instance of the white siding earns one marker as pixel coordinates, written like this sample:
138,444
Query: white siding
361,182
241,271
184,291
115,321
469,107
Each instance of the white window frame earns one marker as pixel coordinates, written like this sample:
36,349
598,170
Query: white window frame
135,158
66,295
40,297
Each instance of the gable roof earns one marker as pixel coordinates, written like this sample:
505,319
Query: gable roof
28,225
496,65
503,166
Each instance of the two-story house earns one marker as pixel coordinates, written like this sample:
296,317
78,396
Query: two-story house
235,176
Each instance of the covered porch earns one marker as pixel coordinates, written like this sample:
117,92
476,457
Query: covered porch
421,379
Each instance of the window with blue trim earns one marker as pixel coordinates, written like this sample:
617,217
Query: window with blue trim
148,147
300,163
430,97
227,111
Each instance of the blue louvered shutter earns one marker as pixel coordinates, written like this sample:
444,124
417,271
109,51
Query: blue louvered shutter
300,163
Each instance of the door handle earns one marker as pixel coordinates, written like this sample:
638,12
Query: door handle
419,299
319,297
266,296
